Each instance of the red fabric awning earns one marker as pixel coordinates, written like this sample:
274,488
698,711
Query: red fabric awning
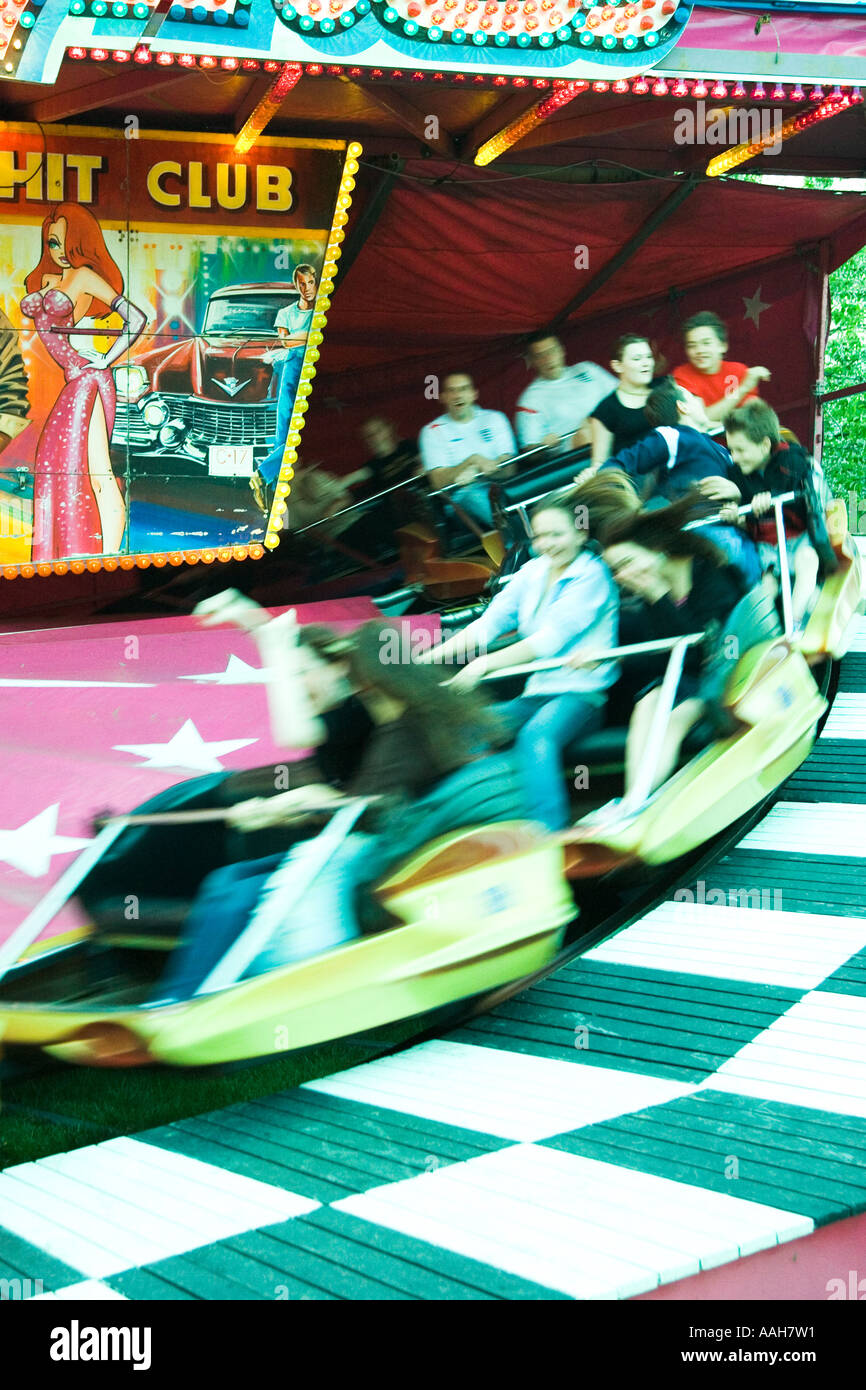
455,276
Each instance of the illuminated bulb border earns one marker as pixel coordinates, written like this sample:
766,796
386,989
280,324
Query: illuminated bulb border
42,569
740,154
195,13
519,129
267,107
13,41
574,29
283,486
138,53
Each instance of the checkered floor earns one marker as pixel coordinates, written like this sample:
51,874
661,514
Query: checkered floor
691,1091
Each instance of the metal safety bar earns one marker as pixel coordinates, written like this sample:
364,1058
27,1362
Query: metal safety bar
506,463
664,644
784,568
435,492
741,511
518,458
398,487
56,897
677,646
283,890
644,781
354,506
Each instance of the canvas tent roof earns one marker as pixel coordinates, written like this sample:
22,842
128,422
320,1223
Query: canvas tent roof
456,275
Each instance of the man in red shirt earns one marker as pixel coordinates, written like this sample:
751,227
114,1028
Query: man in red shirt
723,386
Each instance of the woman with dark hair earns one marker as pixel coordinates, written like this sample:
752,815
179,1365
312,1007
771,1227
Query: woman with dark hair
686,586
78,507
619,419
408,734
559,603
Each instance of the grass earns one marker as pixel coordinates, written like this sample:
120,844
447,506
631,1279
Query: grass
64,1107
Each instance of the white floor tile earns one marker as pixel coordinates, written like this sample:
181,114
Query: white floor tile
122,1204
814,1055
508,1094
89,1290
790,949
847,717
822,828
588,1229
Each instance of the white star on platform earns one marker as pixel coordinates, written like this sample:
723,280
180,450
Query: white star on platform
31,846
186,749
237,672
755,307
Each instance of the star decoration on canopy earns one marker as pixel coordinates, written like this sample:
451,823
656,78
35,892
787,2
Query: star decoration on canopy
755,307
237,672
30,848
186,749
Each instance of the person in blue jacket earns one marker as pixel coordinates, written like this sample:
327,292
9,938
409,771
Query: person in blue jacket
678,455
559,603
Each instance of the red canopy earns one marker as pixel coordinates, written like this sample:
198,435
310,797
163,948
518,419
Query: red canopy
455,276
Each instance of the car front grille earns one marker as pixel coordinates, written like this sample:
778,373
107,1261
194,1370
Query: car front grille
210,422
129,428
226,423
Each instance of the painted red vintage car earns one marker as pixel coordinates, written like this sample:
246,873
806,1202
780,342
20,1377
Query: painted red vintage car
202,404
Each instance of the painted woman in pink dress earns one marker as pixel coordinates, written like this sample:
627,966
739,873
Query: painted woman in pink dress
78,506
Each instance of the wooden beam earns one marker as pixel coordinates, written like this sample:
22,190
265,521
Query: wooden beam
571,127
408,116
258,88
573,164
372,211
102,92
509,109
666,209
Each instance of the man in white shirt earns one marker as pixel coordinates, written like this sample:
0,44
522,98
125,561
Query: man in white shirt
554,407
465,446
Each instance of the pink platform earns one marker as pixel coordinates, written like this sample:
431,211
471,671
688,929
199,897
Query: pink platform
827,1265
75,701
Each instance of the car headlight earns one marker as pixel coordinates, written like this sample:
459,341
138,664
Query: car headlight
130,382
154,413
172,433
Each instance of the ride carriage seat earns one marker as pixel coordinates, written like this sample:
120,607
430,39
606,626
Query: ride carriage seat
142,888
553,475
483,793
752,623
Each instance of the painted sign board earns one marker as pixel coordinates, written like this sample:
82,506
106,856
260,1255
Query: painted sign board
160,305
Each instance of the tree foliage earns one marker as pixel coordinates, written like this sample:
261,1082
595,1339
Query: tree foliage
845,365
844,457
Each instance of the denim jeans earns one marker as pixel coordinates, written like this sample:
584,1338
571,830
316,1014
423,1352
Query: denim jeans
320,918
223,907
740,550
547,724
287,373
